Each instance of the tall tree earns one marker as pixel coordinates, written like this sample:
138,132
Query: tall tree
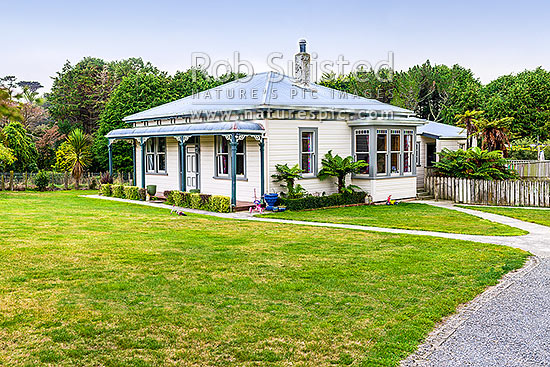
79,155
494,134
80,92
467,121
17,138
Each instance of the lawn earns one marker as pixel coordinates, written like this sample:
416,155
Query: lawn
405,216
89,282
539,216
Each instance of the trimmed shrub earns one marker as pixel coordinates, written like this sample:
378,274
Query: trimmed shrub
313,202
168,196
131,192
142,194
220,204
106,190
118,191
215,203
42,180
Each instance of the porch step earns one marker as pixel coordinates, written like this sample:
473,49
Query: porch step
424,195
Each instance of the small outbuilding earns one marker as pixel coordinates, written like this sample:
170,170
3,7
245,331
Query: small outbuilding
431,139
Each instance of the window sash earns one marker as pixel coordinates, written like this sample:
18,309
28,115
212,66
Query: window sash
223,157
155,150
307,152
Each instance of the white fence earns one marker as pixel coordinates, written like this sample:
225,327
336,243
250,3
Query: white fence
507,192
531,168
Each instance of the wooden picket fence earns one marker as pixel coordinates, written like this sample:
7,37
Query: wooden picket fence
534,193
531,169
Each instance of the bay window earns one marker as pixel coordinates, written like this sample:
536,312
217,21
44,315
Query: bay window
395,153
155,155
362,149
408,151
381,151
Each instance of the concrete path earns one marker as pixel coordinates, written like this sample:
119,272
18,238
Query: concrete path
507,325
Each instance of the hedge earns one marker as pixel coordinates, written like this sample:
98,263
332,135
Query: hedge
123,192
105,190
313,202
118,191
213,203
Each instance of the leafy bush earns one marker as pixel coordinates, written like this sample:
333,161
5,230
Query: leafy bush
336,166
220,204
168,196
131,193
313,202
93,184
215,203
118,191
42,180
142,194
473,163
106,190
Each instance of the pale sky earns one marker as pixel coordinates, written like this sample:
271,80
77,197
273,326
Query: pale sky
490,37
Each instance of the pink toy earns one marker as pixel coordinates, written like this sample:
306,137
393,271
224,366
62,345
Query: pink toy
257,205
389,201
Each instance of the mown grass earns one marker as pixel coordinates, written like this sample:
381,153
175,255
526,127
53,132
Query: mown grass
538,216
89,282
404,216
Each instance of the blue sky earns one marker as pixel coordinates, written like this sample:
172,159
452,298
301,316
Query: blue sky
490,37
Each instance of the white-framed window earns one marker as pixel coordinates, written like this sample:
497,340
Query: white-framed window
395,152
223,157
408,149
308,148
362,148
381,152
417,154
155,155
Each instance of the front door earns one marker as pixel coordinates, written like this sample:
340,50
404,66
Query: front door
431,156
192,167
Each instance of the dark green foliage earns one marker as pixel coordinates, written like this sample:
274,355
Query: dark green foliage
525,97
213,203
142,194
106,190
312,202
118,191
42,180
473,163
131,193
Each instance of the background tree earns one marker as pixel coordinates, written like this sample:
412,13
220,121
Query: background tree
494,134
17,139
79,155
466,120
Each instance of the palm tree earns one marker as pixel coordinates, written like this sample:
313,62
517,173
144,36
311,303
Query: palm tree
494,134
336,166
466,120
79,154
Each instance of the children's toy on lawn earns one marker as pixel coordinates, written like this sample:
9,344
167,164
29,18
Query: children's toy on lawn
258,205
177,211
389,201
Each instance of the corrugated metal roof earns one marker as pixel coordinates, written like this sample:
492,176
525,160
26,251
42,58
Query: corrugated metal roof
265,90
188,129
439,130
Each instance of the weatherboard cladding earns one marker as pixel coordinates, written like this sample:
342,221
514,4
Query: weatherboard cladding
265,90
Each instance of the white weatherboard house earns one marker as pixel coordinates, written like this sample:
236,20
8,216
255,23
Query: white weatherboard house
227,140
